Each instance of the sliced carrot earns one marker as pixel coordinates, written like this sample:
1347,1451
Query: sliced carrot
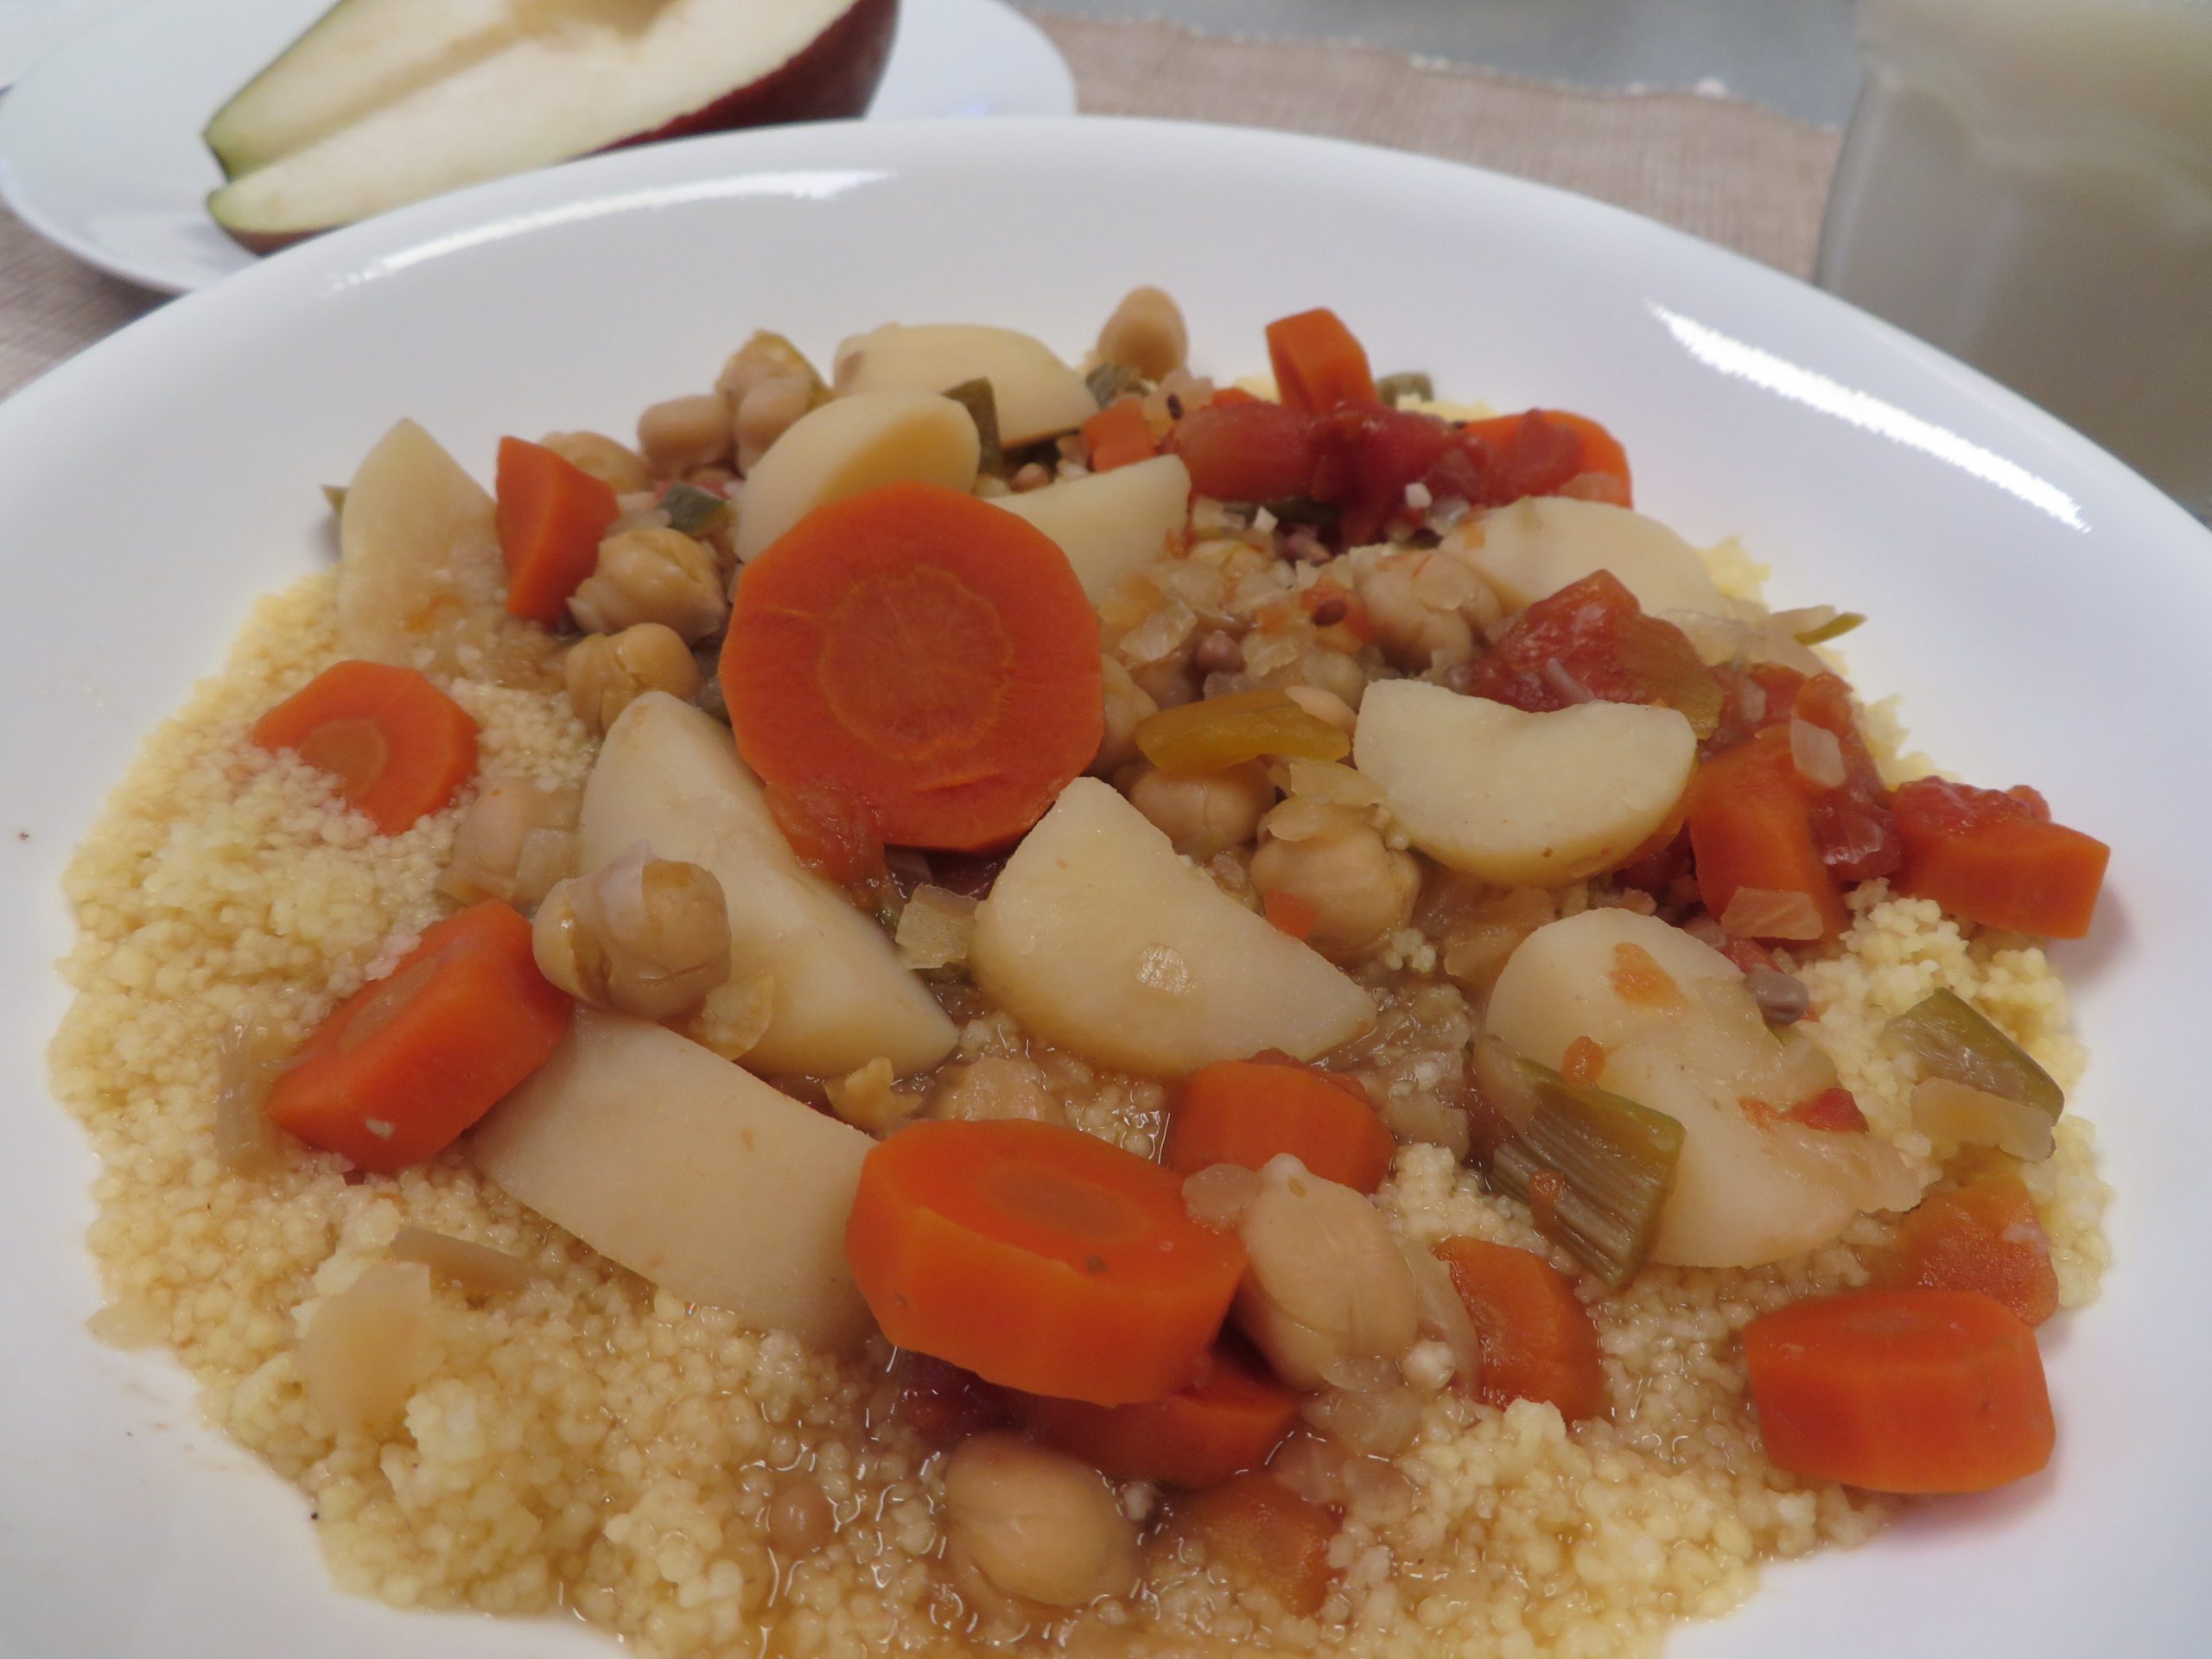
1289,913
1538,1340
1040,1258
1984,1236
1263,1536
1915,1390
929,654
1751,826
1118,436
1247,1111
1993,856
1317,363
398,747
1227,1421
1601,452
551,515
410,1061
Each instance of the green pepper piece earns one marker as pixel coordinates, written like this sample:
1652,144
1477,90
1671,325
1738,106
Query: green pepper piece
335,494
1954,1040
1413,383
1834,628
982,405
1110,380
693,511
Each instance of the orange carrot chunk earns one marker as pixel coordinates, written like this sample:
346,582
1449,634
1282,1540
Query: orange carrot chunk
398,747
1915,1390
1247,1111
1040,1258
1984,1236
410,1061
1317,363
1118,436
1994,856
551,515
1538,1340
1263,1536
1751,826
924,652
1227,1421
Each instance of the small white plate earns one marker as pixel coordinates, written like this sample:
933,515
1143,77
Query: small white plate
100,151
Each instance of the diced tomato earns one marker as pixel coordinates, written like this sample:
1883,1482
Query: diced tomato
1832,1109
1754,699
1599,637
1751,826
830,829
1854,826
1982,1236
1248,451
1538,453
1994,857
1370,453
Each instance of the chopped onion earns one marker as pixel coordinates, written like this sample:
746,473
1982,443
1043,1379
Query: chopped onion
1562,680
1818,754
363,1349
1943,1110
735,1016
1268,653
248,1059
1770,914
1159,635
936,929
1313,1466
1330,781
1306,817
1443,583
1219,1195
477,1268
1381,1421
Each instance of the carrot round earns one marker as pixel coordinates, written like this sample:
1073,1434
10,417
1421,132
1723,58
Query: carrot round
1118,436
926,652
551,515
398,747
1538,1340
1247,1111
410,1061
1040,1258
1318,362
1984,1236
1227,1421
1916,1390
1262,1534
1994,857
1751,826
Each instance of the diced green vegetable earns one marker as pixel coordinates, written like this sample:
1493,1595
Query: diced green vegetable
983,406
1415,382
1594,1168
1954,1040
335,494
1834,628
693,511
1110,380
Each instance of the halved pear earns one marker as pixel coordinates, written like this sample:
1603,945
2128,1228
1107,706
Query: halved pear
669,776
1038,396
1533,548
1098,935
1516,799
851,445
1110,525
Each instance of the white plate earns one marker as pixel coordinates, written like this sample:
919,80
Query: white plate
100,151
2042,609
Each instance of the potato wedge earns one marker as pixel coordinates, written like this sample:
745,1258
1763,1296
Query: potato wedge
421,581
1110,524
853,444
670,776
1097,936
1537,546
1521,799
1038,396
689,1171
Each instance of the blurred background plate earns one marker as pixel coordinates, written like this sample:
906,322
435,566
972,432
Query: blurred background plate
100,149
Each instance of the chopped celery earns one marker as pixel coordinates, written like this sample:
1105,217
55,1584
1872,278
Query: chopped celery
1594,1168
335,494
1834,628
1659,657
1223,732
1412,384
1110,380
1954,1040
693,511
983,406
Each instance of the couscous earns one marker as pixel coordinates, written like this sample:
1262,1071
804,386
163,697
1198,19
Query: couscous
980,1007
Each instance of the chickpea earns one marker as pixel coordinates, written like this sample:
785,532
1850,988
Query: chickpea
651,575
607,672
1413,633
1333,672
764,357
1203,813
681,433
621,468
993,1088
1361,890
512,844
1126,704
1147,333
771,409
645,935
1326,1284
1037,1524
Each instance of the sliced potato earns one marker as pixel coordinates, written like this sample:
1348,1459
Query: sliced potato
689,1171
853,444
1516,799
1110,525
669,776
1683,1036
1038,396
1098,937
1538,545
422,582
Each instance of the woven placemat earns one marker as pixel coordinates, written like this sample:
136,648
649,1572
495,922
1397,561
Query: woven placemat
1723,169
